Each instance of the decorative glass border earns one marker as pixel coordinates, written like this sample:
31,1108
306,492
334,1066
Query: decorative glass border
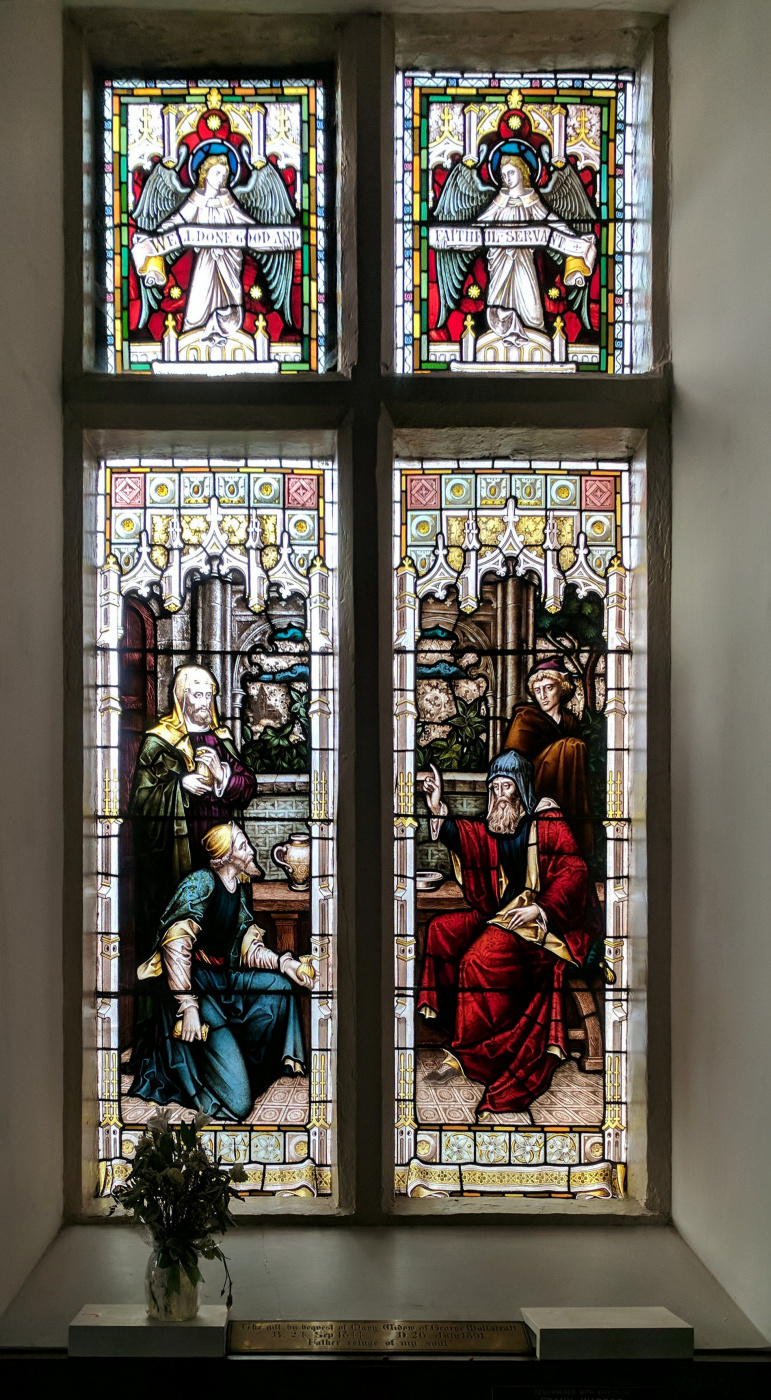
615,94
138,502
119,95
442,1159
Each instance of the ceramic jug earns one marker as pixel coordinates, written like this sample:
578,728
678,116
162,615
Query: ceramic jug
295,858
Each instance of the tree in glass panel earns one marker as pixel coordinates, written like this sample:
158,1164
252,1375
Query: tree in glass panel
513,221
511,836
215,235
216,715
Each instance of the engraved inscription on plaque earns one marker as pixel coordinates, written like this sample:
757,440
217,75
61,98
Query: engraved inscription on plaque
460,1337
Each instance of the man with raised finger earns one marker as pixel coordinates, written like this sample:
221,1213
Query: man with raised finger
492,975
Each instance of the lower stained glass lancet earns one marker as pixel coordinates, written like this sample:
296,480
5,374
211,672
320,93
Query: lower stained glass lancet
214,790
511,615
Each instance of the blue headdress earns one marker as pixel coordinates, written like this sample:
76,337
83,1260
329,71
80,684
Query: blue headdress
511,764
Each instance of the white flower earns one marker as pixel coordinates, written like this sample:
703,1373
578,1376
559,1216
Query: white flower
160,1121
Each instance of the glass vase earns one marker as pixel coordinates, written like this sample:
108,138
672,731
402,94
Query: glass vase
170,1295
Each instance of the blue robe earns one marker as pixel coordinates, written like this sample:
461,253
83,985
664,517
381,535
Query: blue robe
252,1015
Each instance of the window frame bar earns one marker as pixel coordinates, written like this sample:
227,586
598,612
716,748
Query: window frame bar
364,405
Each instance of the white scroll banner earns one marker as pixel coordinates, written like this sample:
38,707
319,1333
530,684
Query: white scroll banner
263,240
508,236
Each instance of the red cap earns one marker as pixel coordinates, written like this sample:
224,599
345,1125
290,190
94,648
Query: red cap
551,663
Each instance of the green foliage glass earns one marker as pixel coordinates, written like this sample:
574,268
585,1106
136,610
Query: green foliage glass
283,749
576,630
463,750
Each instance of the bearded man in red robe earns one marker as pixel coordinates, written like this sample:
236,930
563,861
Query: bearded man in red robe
493,975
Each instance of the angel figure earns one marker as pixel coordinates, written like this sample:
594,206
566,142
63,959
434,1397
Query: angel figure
564,216
215,296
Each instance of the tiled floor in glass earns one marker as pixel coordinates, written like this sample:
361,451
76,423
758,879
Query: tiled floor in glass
284,1104
573,1098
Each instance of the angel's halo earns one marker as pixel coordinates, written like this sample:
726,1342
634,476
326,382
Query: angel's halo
512,147
215,147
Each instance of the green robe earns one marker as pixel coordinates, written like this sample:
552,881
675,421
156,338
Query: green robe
168,824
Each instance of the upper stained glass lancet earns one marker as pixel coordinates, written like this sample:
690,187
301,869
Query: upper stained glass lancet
215,226
514,200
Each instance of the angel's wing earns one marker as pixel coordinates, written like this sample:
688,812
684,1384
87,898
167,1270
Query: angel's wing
162,195
580,303
150,299
462,199
265,197
566,196
279,270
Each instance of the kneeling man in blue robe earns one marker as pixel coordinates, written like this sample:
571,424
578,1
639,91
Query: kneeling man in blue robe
227,1023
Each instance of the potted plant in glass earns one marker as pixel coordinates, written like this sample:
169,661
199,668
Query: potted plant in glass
182,1198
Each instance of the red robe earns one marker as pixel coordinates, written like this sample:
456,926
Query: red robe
502,994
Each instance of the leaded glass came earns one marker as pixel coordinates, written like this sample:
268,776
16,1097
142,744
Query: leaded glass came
514,222
511,614
216,227
213,796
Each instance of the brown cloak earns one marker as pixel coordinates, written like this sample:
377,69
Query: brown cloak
559,757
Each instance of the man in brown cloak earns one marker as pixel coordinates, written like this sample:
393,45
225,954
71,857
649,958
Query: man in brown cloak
548,733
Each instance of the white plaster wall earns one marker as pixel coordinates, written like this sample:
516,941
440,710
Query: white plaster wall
721,743
722,661
31,270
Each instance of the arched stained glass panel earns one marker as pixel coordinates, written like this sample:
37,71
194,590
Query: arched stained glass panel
215,226
512,655
213,787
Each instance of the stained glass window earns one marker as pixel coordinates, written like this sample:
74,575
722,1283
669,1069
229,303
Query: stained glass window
511,614
214,791
216,226
514,229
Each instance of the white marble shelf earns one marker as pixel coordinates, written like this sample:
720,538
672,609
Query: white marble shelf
609,1334
124,1329
459,1272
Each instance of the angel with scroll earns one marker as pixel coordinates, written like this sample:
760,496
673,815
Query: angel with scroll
560,202
215,298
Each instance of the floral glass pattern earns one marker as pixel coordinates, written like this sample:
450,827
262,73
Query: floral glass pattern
215,226
514,222
215,710
511,673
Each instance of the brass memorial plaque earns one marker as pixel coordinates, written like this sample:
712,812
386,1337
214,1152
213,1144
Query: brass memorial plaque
464,1338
